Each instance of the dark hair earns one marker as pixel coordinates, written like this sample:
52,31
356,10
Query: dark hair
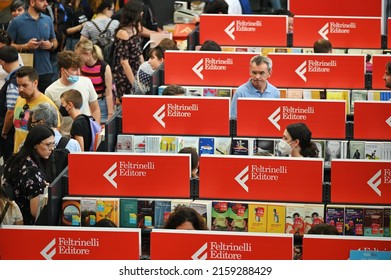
105,223
157,51
210,45
168,44
131,16
105,4
368,57
194,156
301,132
16,4
322,46
284,12
173,90
9,54
216,7
27,71
388,67
324,229
183,214
5,38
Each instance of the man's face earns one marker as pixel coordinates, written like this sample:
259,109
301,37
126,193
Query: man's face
387,78
259,74
39,5
26,87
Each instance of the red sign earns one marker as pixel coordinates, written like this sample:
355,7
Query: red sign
200,68
118,174
65,243
335,8
379,63
372,120
389,33
212,245
175,115
318,70
361,181
241,30
343,32
269,117
328,247
261,178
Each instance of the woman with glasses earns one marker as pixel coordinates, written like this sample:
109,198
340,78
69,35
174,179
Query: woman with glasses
24,171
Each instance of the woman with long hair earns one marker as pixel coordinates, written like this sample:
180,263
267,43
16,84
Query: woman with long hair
25,171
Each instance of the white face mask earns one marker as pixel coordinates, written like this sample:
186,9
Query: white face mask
284,147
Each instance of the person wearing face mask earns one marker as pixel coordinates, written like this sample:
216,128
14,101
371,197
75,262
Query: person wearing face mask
69,64
296,142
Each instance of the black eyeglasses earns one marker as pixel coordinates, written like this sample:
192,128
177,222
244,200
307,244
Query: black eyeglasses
36,123
22,114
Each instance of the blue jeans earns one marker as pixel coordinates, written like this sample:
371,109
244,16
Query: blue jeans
103,110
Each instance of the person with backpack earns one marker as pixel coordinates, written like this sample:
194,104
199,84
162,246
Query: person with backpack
101,29
25,172
95,68
8,95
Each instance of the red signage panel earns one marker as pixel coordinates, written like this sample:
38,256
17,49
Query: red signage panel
119,174
328,247
261,178
335,8
361,181
372,120
241,30
65,243
212,245
388,33
379,63
343,32
269,117
199,68
175,115
318,70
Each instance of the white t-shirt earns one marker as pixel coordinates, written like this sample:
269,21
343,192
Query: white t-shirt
234,7
13,214
87,90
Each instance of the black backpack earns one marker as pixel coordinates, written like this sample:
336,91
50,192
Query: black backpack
59,158
105,41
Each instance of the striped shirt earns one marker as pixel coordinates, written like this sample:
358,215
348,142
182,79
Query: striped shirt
94,73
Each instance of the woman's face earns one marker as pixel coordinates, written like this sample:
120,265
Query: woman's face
46,147
154,61
18,12
84,55
186,226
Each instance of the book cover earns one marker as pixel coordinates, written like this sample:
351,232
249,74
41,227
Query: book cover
162,212
241,49
357,150
254,49
276,218
240,146
373,95
128,212
332,151
194,91
386,151
356,95
373,150
204,208
145,213
320,145
191,141
387,222
266,51
161,89
210,92
168,144
283,92
220,216
224,92
294,93
262,147
314,215
107,208
354,220
339,95
373,221
227,49
294,219
222,145
88,211
180,202
125,143
311,94
257,217
139,144
335,217
152,144
238,214
70,211
207,145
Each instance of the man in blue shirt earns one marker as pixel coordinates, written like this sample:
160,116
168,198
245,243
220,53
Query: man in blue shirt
257,86
33,32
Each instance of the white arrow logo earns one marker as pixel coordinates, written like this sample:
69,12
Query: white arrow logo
45,252
230,29
275,118
159,115
110,175
388,121
324,31
186,30
242,180
198,68
196,255
301,70
374,182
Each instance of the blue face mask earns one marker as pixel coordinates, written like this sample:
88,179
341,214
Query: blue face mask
72,78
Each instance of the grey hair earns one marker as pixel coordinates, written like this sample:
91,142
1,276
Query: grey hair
47,113
258,59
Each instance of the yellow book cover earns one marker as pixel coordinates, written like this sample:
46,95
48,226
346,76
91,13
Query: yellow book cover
266,51
257,217
227,49
311,94
340,95
108,208
168,144
276,218
373,95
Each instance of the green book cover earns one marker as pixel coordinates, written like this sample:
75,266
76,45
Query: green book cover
128,212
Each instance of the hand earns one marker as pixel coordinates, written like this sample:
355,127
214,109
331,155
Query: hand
46,45
4,135
33,43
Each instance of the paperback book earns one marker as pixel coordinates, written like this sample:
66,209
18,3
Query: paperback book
257,217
